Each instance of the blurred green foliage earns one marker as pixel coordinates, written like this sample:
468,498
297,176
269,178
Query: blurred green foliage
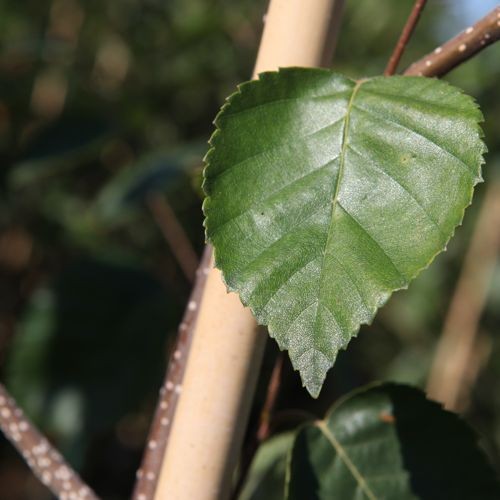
103,103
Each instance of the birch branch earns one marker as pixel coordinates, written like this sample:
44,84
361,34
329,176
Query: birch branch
460,48
405,36
449,379
174,234
41,457
156,444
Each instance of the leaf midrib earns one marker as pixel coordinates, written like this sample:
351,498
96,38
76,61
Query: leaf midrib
336,188
342,453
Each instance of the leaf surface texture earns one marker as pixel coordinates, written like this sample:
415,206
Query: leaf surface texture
325,195
389,442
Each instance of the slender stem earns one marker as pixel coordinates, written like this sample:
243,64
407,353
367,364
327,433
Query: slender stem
460,48
334,31
174,234
40,456
147,475
453,371
405,36
273,389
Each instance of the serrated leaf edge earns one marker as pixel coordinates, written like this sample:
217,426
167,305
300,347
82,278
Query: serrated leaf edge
385,296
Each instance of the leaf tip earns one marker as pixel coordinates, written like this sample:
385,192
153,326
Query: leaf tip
313,366
313,389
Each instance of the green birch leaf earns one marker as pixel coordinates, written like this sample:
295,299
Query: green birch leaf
388,442
266,477
324,195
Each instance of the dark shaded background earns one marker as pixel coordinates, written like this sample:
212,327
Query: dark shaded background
103,103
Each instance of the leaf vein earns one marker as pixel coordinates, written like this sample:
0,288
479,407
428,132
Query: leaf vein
336,189
414,132
405,188
295,319
401,275
279,101
251,207
270,148
353,282
342,453
287,280
397,99
277,241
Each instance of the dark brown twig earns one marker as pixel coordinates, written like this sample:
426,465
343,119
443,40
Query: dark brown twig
408,29
147,475
273,389
334,31
460,48
40,456
174,234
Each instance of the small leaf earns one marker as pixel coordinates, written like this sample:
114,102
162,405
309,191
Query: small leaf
155,173
266,477
389,442
324,195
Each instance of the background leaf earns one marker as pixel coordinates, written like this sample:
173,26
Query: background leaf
266,477
389,442
157,173
324,195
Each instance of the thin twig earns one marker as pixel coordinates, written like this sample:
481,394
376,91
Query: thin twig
174,234
334,31
147,475
450,376
41,457
460,48
273,389
408,29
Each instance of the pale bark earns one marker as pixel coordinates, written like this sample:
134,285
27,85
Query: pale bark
455,364
225,357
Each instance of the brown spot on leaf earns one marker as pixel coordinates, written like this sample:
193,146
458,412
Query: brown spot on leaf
387,418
